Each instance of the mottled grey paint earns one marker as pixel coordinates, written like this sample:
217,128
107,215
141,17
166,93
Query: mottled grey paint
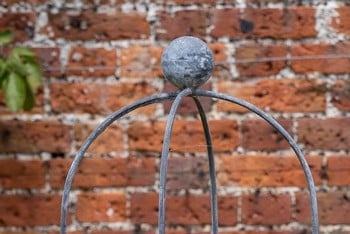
187,62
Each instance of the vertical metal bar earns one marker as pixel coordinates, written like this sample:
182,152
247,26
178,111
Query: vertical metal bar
285,134
164,158
108,121
212,172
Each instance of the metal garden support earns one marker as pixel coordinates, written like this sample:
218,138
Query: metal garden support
187,63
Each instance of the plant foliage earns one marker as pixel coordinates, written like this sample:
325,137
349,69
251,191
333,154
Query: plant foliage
20,75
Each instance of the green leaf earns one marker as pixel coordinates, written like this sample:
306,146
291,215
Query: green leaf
33,76
15,65
25,52
29,101
3,71
6,37
15,92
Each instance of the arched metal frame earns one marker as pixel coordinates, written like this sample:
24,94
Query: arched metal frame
178,96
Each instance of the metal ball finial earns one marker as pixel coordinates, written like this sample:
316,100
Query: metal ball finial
187,62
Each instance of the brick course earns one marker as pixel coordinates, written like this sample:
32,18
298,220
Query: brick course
290,59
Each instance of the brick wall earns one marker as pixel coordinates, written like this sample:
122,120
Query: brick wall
99,56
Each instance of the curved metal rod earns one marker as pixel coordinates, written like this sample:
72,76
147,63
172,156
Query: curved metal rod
164,158
99,129
285,134
213,195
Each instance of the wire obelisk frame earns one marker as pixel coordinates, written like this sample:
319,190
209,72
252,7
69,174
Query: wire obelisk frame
187,63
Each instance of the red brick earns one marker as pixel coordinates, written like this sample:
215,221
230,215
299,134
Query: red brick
187,173
89,25
189,2
324,134
341,95
101,172
49,60
341,23
187,136
97,98
322,65
338,170
29,210
257,134
222,68
246,54
268,209
187,105
20,232
141,62
21,24
333,208
87,62
22,174
111,140
113,232
284,95
101,207
140,231
287,23
68,232
182,23
266,171
11,2
34,137
182,210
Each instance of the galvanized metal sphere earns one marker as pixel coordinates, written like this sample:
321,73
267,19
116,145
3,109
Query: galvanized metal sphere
187,62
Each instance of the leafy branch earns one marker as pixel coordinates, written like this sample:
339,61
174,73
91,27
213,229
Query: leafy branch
20,75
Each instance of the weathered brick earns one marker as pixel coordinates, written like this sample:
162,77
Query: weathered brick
187,136
321,63
111,140
11,2
68,232
257,134
284,95
182,23
183,210
338,170
324,134
246,54
34,137
141,62
287,23
267,209
22,174
21,24
187,105
342,22
266,171
333,207
189,2
341,95
89,25
187,173
101,172
49,60
87,62
222,67
20,232
101,207
97,98
167,231
113,232
29,210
